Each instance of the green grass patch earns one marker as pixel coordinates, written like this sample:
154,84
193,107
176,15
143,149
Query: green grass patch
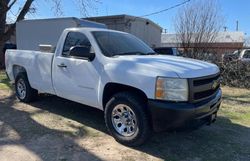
4,81
236,95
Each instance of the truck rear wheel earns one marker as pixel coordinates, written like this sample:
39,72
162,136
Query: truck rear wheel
127,120
24,92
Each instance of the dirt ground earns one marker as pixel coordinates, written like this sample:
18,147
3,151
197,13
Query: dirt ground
55,129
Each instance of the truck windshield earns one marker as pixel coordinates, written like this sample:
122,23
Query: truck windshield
115,43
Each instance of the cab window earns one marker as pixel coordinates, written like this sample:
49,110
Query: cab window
75,39
247,54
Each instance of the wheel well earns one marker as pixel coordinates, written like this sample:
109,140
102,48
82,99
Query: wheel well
112,88
18,69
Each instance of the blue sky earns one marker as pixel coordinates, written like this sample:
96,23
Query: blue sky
232,10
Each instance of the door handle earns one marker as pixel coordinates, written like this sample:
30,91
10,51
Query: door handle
62,65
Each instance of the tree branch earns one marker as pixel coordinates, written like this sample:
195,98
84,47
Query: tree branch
10,6
24,10
21,16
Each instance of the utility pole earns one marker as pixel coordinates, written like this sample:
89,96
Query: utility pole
225,28
237,25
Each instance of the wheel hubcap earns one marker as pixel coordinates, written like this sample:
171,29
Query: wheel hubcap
21,89
124,120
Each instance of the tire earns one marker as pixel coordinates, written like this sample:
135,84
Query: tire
140,123
24,92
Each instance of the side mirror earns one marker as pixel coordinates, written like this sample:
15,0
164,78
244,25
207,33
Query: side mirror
82,52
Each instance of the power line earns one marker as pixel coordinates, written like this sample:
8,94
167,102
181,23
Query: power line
164,10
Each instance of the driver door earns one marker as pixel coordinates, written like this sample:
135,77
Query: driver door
75,78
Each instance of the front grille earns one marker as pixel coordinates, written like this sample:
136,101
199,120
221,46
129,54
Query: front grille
204,94
204,87
199,82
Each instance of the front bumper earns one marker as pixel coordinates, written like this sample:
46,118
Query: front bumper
168,115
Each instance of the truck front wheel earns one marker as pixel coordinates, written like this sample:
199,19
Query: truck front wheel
127,119
24,92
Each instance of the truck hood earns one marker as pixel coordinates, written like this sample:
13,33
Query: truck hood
168,66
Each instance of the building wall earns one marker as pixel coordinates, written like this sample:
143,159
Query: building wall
146,32
112,23
144,29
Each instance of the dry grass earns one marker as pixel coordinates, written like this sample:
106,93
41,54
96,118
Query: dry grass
56,129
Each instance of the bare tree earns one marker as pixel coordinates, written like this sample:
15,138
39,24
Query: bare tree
25,7
197,24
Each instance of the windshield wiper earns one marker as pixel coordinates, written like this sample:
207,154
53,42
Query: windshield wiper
152,53
130,53
137,53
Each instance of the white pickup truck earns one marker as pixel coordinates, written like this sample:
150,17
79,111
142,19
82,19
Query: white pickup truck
242,56
138,90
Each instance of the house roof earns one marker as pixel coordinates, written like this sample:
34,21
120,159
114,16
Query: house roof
222,37
230,37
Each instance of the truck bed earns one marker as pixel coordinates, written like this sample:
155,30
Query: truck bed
37,65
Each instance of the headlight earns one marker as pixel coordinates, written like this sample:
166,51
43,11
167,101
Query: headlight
171,89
